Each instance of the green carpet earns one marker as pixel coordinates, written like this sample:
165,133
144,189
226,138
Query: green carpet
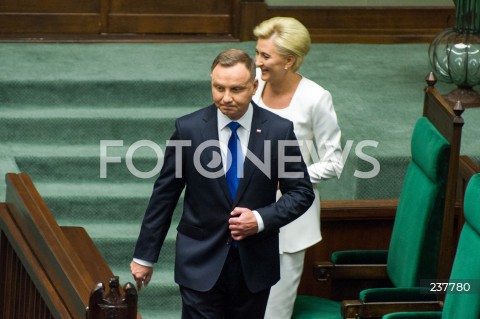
58,101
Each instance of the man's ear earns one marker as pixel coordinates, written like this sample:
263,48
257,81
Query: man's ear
255,86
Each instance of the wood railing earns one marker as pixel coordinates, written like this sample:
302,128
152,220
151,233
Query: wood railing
46,271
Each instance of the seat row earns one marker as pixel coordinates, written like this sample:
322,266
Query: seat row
414,271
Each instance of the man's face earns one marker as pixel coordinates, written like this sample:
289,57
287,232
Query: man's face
232,89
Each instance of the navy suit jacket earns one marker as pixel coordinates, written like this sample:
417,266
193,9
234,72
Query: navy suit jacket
203,238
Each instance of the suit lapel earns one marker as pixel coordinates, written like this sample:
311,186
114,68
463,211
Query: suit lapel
210,133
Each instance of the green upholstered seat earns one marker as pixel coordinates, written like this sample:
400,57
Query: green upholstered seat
414,246
309,307
466,266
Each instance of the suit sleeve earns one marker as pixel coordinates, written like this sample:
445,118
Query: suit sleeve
164,198
294,182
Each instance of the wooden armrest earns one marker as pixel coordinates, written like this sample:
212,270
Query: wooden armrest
325,271
78,237
359,209
352,309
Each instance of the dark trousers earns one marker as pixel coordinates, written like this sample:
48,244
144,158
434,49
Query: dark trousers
228,299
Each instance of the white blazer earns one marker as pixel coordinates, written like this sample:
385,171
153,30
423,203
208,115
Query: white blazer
316,127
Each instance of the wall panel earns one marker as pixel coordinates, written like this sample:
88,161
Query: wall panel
171,6
154,20
50,6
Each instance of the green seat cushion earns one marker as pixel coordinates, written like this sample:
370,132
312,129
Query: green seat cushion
397,294
311,307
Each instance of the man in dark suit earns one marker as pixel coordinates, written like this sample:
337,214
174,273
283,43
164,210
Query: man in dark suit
227,243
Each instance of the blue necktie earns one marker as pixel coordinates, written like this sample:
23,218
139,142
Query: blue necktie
234,159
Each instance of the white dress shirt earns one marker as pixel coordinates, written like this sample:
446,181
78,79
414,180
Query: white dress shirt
243,133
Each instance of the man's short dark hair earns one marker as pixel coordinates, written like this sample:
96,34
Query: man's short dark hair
231,57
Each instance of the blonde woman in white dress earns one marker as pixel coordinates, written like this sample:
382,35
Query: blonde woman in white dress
282,43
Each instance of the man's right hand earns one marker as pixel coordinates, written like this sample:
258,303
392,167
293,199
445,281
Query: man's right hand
141,274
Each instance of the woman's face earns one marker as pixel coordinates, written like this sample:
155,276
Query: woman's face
269,60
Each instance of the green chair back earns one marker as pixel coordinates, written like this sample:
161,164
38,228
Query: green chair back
414,246
460,303
463,292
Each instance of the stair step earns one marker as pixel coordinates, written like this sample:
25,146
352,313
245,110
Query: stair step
71,210
161,294
88,125
106,93
90,169
101,113
117,247
99,190
77,163
100,203
130,74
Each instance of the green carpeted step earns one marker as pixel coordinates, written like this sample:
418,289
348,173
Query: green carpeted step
117,248
116,241
101,209
73,203
88,168
68,163
110,74
109,93
114,233
138,112
119,251
161,298
69,190
164,299
76,209
89,125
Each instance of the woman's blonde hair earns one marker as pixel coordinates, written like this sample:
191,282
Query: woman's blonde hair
289,35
